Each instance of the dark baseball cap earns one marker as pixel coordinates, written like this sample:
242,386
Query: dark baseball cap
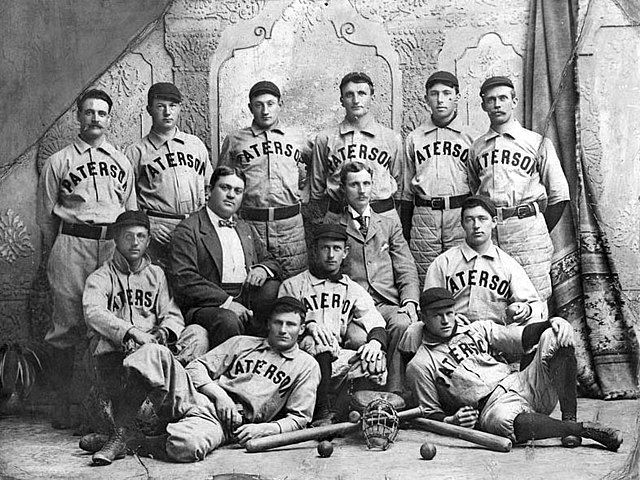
132,217
436,297
495,82
329,230
263,87
164,90
446,78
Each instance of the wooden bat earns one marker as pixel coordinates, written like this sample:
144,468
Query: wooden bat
492,442
299,436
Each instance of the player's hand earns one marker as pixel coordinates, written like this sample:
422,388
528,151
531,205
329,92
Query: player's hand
465,417
320,333
227,411
373,358
249,431
256,277
161,334
140,337
411,310
244,314
563,331
518,311
160,233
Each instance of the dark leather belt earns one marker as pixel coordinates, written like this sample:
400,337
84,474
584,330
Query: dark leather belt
93,232
378,206
522,211
441,203
172,216
270,214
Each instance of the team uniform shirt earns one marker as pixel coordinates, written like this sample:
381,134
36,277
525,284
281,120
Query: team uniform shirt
516,167
445,376
274,162
116,299
377,146
264,381
171,175
484,285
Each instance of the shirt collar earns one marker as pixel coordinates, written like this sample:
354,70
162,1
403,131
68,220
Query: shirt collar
276,127
121,263
288,354
370,126
454,125
315,281
157,141
215,218
82,146
469,253
429,340
355,215
512,130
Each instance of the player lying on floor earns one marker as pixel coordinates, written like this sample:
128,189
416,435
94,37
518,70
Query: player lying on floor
246,388
455,377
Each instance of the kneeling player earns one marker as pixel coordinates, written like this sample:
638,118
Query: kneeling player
456,379
337,310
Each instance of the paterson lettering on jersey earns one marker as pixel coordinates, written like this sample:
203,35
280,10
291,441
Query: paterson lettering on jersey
88,170
133,297
175,160
270,147
355,151
258,366
480,278
324,301
437,148
507,157
459,351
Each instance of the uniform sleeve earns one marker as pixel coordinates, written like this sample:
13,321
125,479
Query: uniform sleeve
364,311
436,276
318,178
507,339
404,266
97,316
422,382
130,197
396,166
213,364
298,409
289,289
210,163
167,312
134,154
473,174
552,175
48,190
408,169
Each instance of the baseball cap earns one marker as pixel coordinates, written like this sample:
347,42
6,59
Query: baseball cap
264,86
436,297
132,217
495,82
164,90
441,76
482,201
328,230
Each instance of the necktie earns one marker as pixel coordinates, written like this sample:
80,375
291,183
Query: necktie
363,225
227,223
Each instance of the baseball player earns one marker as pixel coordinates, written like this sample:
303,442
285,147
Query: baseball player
274,159
435,174
335,304
247,387
357,137
172,169
483,279
81,191
457,380
520,171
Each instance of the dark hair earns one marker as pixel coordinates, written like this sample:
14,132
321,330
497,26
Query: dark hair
284,306
225,171
353,167
356,77
479,201
94,93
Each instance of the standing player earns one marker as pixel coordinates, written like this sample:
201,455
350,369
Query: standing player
334,304
82,189
520,171
358,137
274,159
172,169
457,380
435,175
246,388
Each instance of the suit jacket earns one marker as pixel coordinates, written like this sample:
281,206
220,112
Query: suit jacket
195,262
382,262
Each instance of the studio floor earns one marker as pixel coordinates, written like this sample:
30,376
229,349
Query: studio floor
31,449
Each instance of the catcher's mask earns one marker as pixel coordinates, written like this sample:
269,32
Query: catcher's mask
379,424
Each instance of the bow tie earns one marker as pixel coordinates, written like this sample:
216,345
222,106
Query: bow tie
227,223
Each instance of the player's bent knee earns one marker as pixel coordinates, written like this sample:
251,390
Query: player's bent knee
184,451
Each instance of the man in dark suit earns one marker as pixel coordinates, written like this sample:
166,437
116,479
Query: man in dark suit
222,276
380,261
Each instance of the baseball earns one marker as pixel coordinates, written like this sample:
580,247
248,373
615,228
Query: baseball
427,450
511,311
325,449
354,417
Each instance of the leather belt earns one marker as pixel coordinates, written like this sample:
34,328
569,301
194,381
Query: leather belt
93,232
378,206
270,214
172,216
521,211
441,203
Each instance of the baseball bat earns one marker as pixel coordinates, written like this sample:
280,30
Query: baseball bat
492,442
298,436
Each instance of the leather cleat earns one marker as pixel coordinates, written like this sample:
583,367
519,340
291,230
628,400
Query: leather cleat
609,437
93,442
114,449
570,441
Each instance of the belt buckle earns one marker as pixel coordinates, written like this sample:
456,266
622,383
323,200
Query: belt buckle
437,203
523,211
272,214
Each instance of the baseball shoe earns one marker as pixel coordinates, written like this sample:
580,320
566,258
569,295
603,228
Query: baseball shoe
114,449
93,442
609,437
570,441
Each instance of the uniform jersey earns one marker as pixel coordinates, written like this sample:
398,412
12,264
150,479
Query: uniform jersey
377,146
116,299
263,380
171,175
333,303
516,167
445,376
274,162
484,285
